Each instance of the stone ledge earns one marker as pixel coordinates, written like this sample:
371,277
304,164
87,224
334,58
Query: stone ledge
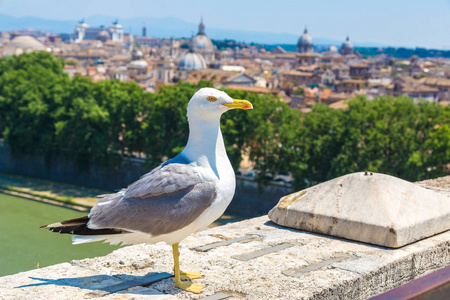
368,207
309,266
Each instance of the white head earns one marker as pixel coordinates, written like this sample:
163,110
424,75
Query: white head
210,104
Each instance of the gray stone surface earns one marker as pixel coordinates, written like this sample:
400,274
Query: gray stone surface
367,207
68,281
314,267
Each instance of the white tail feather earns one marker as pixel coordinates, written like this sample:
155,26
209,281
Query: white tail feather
81,239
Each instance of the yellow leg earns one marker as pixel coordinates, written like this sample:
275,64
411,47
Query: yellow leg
184,285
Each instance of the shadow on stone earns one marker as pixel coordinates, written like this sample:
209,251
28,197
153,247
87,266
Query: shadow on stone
102,285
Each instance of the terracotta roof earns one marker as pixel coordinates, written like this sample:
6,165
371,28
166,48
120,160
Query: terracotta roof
418,89
296,73
212,75
286,99
339,96
120,58
360,65
308,54
436,81
341,104
306,110
257,89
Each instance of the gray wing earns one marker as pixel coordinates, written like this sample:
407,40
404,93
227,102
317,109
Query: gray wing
165,179
175,197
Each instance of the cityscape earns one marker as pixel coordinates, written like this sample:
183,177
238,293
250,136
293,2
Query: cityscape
224,150
328,74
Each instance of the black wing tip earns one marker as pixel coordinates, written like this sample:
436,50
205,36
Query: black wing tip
79,226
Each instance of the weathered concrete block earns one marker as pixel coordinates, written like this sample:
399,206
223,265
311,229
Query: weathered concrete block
367,207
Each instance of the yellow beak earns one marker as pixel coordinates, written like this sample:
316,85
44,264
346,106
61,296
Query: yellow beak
244,104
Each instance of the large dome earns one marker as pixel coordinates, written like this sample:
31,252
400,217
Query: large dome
305,42
26,42
191,61
201,41
347,47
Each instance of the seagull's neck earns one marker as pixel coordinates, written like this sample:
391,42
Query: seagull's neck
205,144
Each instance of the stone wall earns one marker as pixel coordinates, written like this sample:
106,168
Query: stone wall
249,200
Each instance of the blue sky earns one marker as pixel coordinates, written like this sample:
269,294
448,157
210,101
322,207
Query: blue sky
412,23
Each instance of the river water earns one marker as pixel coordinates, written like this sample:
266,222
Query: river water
23,245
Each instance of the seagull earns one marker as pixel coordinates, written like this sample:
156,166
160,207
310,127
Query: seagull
181,196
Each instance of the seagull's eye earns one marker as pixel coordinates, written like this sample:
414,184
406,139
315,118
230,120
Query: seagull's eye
212,99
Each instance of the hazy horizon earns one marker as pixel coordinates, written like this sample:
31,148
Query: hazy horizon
394,23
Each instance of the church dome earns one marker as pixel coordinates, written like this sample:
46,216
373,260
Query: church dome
191,61
305,42
201,41
347,47
26,42
333,49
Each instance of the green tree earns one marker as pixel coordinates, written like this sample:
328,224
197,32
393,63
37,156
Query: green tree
32,87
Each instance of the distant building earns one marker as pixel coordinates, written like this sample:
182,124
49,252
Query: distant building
116,32
278,50
297,78
148,41
222,77
308,58
442,84
359,71
347,47
84,32
103,36
305,43
417,89
202,44
21,44
349,85
55,38
80,31
138,68
165,72
333,49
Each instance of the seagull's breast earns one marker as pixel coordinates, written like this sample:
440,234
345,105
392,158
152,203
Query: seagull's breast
225,188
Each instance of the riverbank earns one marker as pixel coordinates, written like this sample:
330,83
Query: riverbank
70,196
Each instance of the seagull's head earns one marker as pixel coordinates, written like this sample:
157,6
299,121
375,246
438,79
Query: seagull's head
210,104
